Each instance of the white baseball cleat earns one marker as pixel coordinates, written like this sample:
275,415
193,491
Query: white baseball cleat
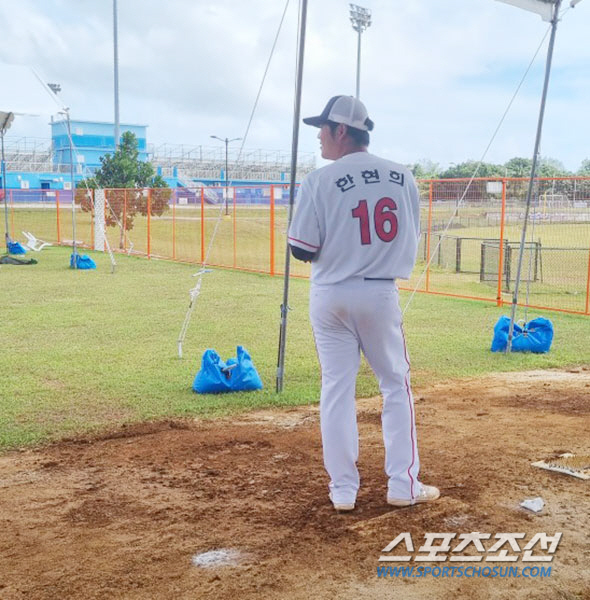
428,493
342,506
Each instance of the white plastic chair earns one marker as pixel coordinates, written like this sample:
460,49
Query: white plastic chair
33,243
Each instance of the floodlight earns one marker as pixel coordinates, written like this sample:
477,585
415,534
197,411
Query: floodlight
360,18
226,141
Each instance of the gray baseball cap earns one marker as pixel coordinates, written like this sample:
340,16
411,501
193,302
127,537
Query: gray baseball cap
343,109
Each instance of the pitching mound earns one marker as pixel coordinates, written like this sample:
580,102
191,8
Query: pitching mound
238,508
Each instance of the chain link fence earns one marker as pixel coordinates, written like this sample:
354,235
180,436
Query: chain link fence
469,244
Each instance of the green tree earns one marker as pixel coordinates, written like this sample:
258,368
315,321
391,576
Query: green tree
425,169
120,173
518,167
465,170
547,167
584,169
551,167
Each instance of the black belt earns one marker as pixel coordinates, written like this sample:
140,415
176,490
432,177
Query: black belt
378,278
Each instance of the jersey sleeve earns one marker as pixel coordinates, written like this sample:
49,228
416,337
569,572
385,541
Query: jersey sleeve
304,231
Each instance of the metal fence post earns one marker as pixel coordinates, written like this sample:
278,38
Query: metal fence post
202,225
272,230
501,245
149,223
93,210
124,221
105,242
11,215
508,268
428,235
234,227
482,262
57,216
173,228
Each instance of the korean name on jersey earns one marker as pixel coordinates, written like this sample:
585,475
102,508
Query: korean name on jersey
361,216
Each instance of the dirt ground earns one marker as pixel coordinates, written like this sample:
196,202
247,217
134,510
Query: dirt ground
122,515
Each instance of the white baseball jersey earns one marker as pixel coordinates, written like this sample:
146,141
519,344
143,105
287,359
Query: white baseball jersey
361,216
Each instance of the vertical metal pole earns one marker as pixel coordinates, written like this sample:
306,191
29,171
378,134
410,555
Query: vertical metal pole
226,180
234,234
92,223
501,246
124,220
554,22
203,225
149,223
57,217
5,198
73,186
11,215
272,230
174,229
294,146
428,235
103,220
358,65
116,72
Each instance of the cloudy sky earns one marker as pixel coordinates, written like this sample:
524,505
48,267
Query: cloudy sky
436,75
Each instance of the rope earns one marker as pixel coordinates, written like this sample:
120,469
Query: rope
262,82
196,290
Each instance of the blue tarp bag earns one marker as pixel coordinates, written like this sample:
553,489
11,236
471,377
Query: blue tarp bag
15,248
83,261
244,377
236,375
534,336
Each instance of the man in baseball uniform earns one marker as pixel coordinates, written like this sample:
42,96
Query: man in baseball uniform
358,222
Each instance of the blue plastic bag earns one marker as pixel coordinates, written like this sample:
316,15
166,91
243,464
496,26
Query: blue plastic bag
15,248
244,377
83,261
235,375
534,336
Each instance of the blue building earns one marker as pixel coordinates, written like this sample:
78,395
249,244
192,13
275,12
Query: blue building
92,139
42,166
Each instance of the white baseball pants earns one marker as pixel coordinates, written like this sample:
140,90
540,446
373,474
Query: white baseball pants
348,317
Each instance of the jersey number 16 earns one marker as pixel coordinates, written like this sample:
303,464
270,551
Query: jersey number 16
384,217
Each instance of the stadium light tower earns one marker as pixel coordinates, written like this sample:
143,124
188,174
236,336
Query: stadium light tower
361,19
116,133
226,142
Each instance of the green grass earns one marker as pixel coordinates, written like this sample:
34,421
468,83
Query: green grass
561,279
87,350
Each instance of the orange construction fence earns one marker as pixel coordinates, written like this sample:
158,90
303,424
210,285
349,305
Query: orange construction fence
469,245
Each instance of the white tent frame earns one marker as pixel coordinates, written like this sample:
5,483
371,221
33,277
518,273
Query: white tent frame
540,7
6,119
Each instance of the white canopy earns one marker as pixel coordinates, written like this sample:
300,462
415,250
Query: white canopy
24,92
541,7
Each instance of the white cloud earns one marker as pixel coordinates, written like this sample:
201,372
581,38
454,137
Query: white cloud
436,76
